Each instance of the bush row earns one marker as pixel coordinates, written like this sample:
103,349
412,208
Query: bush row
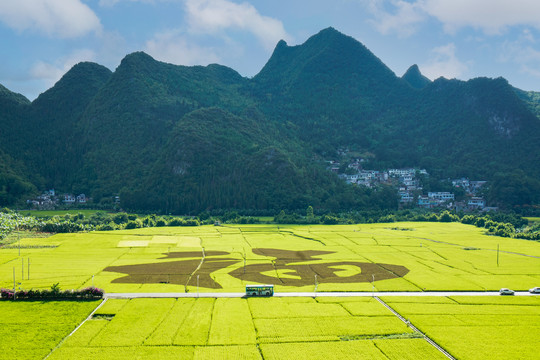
54,293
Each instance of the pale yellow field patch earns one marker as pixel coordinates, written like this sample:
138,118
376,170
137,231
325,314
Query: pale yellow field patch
189,241
133,243
165,240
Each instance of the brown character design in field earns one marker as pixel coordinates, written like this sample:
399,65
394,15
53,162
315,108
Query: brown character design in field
288,267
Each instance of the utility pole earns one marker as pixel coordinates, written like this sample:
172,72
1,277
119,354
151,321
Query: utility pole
18,237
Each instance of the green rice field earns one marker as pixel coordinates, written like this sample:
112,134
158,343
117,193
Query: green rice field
366,257
404,256
274,328
477,327
31,330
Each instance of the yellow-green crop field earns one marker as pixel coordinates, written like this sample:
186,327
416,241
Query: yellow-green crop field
383,257
477,327
275,328
255,328
31,330
366,257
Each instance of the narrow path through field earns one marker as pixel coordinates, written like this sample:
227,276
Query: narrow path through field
77,328
197,269
414,328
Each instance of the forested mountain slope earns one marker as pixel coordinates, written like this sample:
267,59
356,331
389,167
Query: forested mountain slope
183,139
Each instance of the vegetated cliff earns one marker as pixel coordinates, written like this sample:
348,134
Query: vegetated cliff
184,139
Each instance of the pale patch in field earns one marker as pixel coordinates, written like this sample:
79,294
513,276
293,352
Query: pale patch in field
133,243
189,241
165,240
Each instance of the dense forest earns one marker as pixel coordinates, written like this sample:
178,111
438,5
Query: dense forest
177,139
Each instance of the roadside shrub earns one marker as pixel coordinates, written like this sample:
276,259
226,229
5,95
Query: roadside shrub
120,218
192,222
329,220
134,224
107,227
56,226
387,219
54,293
489,224
480,222
468,219
160,222
446,216
149,221
432,217
177,222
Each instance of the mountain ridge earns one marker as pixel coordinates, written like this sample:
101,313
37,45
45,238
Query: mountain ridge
185,139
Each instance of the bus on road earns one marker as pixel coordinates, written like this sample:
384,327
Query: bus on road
259,290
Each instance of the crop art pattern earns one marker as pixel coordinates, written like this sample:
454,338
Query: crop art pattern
277,266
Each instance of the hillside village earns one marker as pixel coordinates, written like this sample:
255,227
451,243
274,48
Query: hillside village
49,199
408,183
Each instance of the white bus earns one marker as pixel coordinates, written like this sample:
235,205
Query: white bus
259,290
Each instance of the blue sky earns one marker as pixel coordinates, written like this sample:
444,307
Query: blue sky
42,39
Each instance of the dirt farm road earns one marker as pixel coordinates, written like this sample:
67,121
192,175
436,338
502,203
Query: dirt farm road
312,294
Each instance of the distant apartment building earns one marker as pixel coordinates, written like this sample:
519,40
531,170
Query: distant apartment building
441,196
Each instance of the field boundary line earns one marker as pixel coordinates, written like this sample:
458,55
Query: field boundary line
77,328
197,269
461,246
414,328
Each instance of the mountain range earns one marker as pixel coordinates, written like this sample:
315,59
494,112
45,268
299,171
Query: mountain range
178,139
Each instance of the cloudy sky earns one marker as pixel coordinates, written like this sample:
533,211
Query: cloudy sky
42,39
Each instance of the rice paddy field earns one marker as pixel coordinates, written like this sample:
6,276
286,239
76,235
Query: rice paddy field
274,328
477,327
397,256
255,328
366,257
31,330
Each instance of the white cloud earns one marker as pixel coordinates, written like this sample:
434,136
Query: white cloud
215,16
172,47
63,18
402,20
50,73
444,63
522,53
110,3
491,16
